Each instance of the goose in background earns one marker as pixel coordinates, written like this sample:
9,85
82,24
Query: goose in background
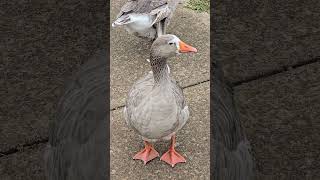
146,18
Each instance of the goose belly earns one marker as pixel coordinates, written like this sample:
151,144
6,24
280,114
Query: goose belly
156,123
140,22
142,26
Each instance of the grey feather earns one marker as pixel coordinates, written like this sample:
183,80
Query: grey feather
146,104
141,6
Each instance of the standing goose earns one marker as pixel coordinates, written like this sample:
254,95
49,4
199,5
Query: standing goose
146,18
156,107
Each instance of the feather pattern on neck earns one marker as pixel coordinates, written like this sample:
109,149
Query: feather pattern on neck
159,69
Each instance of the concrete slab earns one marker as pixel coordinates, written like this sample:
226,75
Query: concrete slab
281,119
193,140
26,165
42,45
129,53
256,37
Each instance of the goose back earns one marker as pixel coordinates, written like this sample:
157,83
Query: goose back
141,6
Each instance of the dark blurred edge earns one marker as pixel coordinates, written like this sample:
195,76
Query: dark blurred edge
98,66
104,101
230,151
78,145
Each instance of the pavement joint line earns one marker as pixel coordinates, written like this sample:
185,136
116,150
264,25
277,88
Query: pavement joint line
20,148
274,72
184,87
299,64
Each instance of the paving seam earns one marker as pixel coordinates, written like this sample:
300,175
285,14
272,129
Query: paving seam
27,145
275,72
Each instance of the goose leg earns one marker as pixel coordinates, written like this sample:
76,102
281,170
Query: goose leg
159,29
172,157
164,27
146,154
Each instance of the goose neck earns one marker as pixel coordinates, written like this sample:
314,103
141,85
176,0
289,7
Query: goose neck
159,69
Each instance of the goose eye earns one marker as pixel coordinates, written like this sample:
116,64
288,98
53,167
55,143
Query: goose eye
171,43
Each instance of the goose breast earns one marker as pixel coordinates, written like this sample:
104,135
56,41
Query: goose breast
155,112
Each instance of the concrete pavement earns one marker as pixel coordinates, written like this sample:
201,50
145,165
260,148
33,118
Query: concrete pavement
27,164
43,43
256,38
280,115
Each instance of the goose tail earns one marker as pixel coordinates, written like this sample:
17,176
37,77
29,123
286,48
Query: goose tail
122,20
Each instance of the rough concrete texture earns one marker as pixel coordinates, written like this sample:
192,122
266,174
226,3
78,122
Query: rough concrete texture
281,118
129,53
255,37
193,143
24,165
40,49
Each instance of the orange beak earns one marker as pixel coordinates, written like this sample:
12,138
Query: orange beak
185,48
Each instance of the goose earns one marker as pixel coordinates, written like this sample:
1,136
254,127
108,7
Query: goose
155,107
146,18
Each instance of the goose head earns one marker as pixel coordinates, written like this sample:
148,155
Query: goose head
169,45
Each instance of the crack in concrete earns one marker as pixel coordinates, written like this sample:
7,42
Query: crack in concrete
20,148
275,72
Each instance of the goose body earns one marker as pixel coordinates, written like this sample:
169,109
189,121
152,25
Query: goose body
156,108
146,18
156,112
